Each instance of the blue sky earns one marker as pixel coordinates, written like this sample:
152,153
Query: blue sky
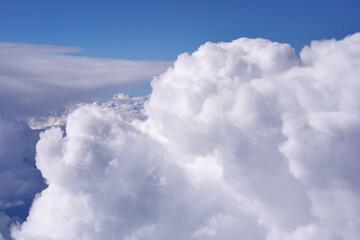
160,30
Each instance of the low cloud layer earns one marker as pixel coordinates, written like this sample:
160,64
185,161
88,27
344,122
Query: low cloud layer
38,78
243,140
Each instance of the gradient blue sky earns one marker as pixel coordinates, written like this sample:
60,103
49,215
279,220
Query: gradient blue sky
160,30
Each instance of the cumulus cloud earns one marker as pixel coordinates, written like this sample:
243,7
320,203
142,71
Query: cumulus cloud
38,78
20,178
242,140
108,180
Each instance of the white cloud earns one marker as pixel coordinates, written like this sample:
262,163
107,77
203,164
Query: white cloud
38,78
280,135
20,178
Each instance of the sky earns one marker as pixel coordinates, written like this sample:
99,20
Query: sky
161,30
242,120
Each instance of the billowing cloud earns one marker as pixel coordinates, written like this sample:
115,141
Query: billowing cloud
242,140
20,178
38,78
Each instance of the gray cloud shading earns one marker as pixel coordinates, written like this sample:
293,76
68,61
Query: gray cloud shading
19,178
38,78
242,140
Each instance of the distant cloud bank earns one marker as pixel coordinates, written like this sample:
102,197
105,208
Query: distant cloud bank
35,79
242,140
130,108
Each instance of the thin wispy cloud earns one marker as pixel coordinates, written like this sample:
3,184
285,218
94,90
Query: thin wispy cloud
38,78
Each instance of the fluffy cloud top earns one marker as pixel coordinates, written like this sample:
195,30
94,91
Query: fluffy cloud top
38,78
243,140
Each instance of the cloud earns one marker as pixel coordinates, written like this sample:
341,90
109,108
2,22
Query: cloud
130,108
38,78
242,140
20,179
149,190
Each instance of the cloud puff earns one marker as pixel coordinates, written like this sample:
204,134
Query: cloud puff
20,178
38,78
109,180
242,140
